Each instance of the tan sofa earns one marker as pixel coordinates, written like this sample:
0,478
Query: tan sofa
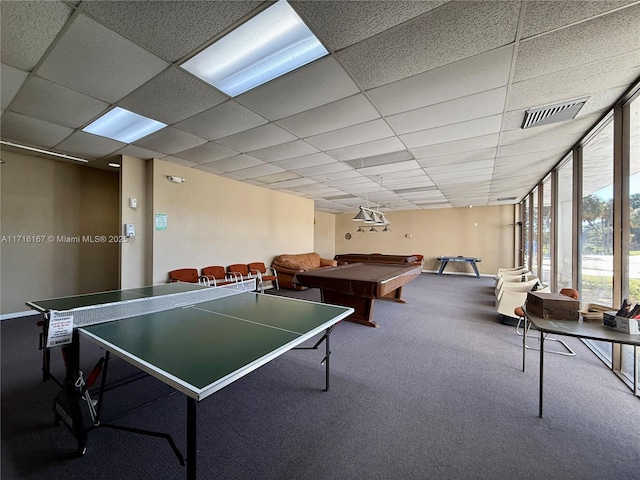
288,265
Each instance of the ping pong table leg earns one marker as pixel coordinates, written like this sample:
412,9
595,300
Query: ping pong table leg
326,358
192,405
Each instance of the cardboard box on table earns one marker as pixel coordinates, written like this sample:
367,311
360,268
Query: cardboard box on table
553,306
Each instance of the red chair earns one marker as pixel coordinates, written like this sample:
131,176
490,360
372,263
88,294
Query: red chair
188,275
216,276
261,271
240,271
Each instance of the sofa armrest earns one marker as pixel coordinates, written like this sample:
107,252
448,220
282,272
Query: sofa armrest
291,271
325,262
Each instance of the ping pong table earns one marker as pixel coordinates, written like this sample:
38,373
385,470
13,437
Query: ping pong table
193,338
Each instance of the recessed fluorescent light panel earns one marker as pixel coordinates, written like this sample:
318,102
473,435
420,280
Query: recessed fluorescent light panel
123,125
272,43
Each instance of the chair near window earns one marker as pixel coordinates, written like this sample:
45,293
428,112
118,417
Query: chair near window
519,312
260,270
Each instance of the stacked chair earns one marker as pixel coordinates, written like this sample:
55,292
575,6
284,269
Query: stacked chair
512,286
520,313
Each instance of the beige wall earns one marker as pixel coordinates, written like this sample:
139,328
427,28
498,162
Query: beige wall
63,207
324,236
486,232
212,220
134,261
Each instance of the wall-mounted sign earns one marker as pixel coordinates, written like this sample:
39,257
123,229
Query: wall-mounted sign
161,221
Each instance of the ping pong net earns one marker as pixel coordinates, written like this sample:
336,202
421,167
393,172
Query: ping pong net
62,322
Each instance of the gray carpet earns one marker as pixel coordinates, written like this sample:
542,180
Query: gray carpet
436,392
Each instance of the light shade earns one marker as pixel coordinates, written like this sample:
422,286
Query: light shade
362,216
123,125
269,45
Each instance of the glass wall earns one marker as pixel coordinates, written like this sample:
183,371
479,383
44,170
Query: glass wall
534,232
633,252
526,232
545,237
606,165
564,244
596,238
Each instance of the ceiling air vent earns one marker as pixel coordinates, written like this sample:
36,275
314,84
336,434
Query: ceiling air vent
560,112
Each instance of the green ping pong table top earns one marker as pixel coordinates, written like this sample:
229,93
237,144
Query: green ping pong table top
202,348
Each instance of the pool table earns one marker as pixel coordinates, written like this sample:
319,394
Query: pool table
358,285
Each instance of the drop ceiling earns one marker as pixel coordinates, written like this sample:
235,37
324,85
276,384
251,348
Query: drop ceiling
419,104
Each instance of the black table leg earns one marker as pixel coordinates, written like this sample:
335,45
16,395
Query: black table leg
192,405
541,371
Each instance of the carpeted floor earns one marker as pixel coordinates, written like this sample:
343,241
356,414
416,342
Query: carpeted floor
436,392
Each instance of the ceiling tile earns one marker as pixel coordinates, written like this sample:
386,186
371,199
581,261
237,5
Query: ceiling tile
236,162
279,177
377,147
297,148
206,153
96,61
27,30
450,33
182,96
574,83
11,79
221,121
604,37
161,26
170,140
305,161
32,131
318,83
546,16
40,98
449,133
86,145
453,111
459,158
327,169
293,183
340,24
390,167
342,113
257,171
470,167
356,134
143,153
257,138
466,77
460,146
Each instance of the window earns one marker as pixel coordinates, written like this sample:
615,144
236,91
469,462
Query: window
564,266
534,233
597,224
633,217
545,245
